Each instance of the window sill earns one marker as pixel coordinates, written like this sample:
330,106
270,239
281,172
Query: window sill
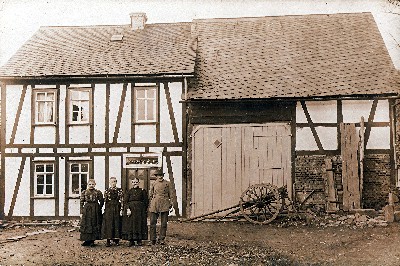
45,125
145,123
79,124
43,197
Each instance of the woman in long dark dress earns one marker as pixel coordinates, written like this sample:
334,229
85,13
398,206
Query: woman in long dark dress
111,228
135,222
91,202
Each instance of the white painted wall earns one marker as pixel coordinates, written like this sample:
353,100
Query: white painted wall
99,105
44,207
353,110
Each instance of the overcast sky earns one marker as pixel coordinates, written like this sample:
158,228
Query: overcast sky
20,19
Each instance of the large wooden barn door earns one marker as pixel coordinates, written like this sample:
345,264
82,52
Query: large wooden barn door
227,159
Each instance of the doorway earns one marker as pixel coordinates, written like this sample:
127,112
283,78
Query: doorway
145,175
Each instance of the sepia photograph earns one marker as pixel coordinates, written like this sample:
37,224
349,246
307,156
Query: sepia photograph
227,132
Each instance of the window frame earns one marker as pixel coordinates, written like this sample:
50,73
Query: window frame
36,105
35,178
80,100
70,173
146,100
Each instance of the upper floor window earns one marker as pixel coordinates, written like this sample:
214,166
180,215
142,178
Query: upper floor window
44,179
79,106
146,104
45,106
78,176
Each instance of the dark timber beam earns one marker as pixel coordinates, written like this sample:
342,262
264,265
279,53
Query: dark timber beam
171,112
312,127
120,111
16,188
370,119
2,148
18,114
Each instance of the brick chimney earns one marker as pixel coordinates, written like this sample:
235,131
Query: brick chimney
138,20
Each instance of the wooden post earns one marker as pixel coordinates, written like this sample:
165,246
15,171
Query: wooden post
361,147
350,176
331,194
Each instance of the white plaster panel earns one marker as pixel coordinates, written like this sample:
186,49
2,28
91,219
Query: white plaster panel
11,150
145,133
45,150
99,172
305,140
328,137
98,149
62,116
379,138
99,106
13,94
23,198
73,207
22,135
45,86
63,150
80,150
115,97
166,134
322,111
382,111
176,92
61,183
118,149
137,149
353,110
300,115
44,207
45,135
156,149
115,167
176,163
124,134
79,134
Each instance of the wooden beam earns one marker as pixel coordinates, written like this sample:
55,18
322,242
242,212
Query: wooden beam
33,110
16,188
158,114
184,155
370,119
171,112
120,111
312,127
31,188
133,113
66,109
107,118
339,111
172,182
18,114
3,119
91,114
66,185
57,187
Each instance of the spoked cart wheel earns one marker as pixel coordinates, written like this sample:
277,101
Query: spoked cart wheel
260,203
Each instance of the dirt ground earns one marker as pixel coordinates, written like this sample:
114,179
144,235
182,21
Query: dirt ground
210,243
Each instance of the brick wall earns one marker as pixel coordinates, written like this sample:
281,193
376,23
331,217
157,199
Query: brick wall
309,176
376,185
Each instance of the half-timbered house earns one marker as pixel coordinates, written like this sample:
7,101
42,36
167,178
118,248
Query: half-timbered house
303,101
97,101
220,104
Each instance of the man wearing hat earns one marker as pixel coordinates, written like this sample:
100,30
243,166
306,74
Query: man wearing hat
160,203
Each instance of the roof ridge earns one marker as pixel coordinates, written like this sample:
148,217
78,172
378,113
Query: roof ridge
275,16
113,26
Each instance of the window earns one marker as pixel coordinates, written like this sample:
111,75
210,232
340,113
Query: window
145,104
45,107
79,106
44,179
78,176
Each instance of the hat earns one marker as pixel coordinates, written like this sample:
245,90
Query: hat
159,172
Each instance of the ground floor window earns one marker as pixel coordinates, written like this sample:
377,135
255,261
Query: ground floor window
78,176
44,179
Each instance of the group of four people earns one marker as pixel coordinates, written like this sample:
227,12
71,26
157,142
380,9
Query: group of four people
125,215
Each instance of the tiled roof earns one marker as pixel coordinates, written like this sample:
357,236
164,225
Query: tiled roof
82,51
290,56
